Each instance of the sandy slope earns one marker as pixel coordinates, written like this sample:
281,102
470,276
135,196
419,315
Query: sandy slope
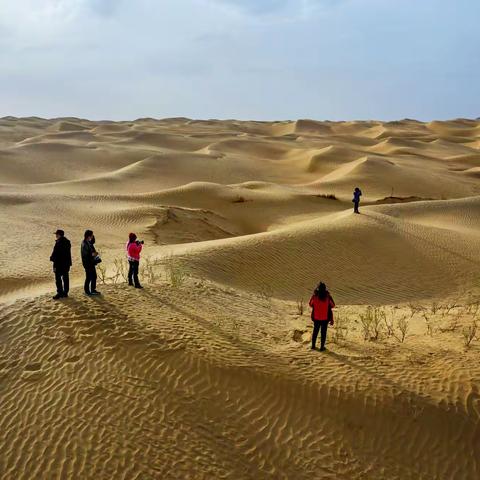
213,379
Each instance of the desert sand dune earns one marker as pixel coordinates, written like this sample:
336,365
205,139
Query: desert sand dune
207,372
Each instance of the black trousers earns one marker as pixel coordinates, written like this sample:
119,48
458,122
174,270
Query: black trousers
355,207
133,272
62,281
317,325
90,279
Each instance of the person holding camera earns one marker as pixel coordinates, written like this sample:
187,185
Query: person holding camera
90,260
134,247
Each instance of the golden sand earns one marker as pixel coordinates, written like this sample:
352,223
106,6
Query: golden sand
207,372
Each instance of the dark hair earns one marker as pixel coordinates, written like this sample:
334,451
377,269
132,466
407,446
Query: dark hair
88,233
321,291
131,237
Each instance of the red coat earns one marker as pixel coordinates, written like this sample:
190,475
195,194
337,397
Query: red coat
133,251
320,307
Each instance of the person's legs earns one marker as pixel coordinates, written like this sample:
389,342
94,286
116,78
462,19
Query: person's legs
88,278
316,328
130,272
66,283
58,282
93,281
135,274
323,334
355,208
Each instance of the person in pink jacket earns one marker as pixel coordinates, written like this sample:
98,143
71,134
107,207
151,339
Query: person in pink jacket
134,247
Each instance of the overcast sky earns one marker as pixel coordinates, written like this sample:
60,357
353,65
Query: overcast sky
245,59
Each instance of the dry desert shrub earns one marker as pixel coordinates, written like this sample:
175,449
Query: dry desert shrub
401,329
396,328
102,273
473,307
266,292
340,329
428,323
389,322
328,196
469,333
414,308
452,324
149,270
175,271
435,307
371,322
120,270
300,307
447,308
235,327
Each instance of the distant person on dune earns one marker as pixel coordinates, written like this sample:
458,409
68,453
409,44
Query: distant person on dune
322,314
134,247
357,193
90,259
62,261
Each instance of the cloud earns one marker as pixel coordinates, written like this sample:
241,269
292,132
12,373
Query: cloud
258,7
275,7
104,8
246,59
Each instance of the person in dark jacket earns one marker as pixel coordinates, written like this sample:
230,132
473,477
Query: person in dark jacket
322,314
90,259
62,261
357,193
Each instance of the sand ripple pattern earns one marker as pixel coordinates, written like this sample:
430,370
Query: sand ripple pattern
163,384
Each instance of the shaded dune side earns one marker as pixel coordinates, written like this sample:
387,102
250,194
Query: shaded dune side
150,377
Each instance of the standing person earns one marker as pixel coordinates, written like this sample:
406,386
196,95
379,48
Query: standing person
322,314
357,193
134,247
62,261
90,259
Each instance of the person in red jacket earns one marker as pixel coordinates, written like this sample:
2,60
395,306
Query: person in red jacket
134,247
322,315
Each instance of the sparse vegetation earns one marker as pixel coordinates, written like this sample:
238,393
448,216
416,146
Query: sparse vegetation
236,327
449,307
473,307
175,271
148,270
402,327
389,322
266,292
469,333
120,270
428,323
328,196
372,321
239,199
452,324
340,329
102,273
414,308
300,306
434,307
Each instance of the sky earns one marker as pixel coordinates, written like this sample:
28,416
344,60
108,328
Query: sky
243,59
